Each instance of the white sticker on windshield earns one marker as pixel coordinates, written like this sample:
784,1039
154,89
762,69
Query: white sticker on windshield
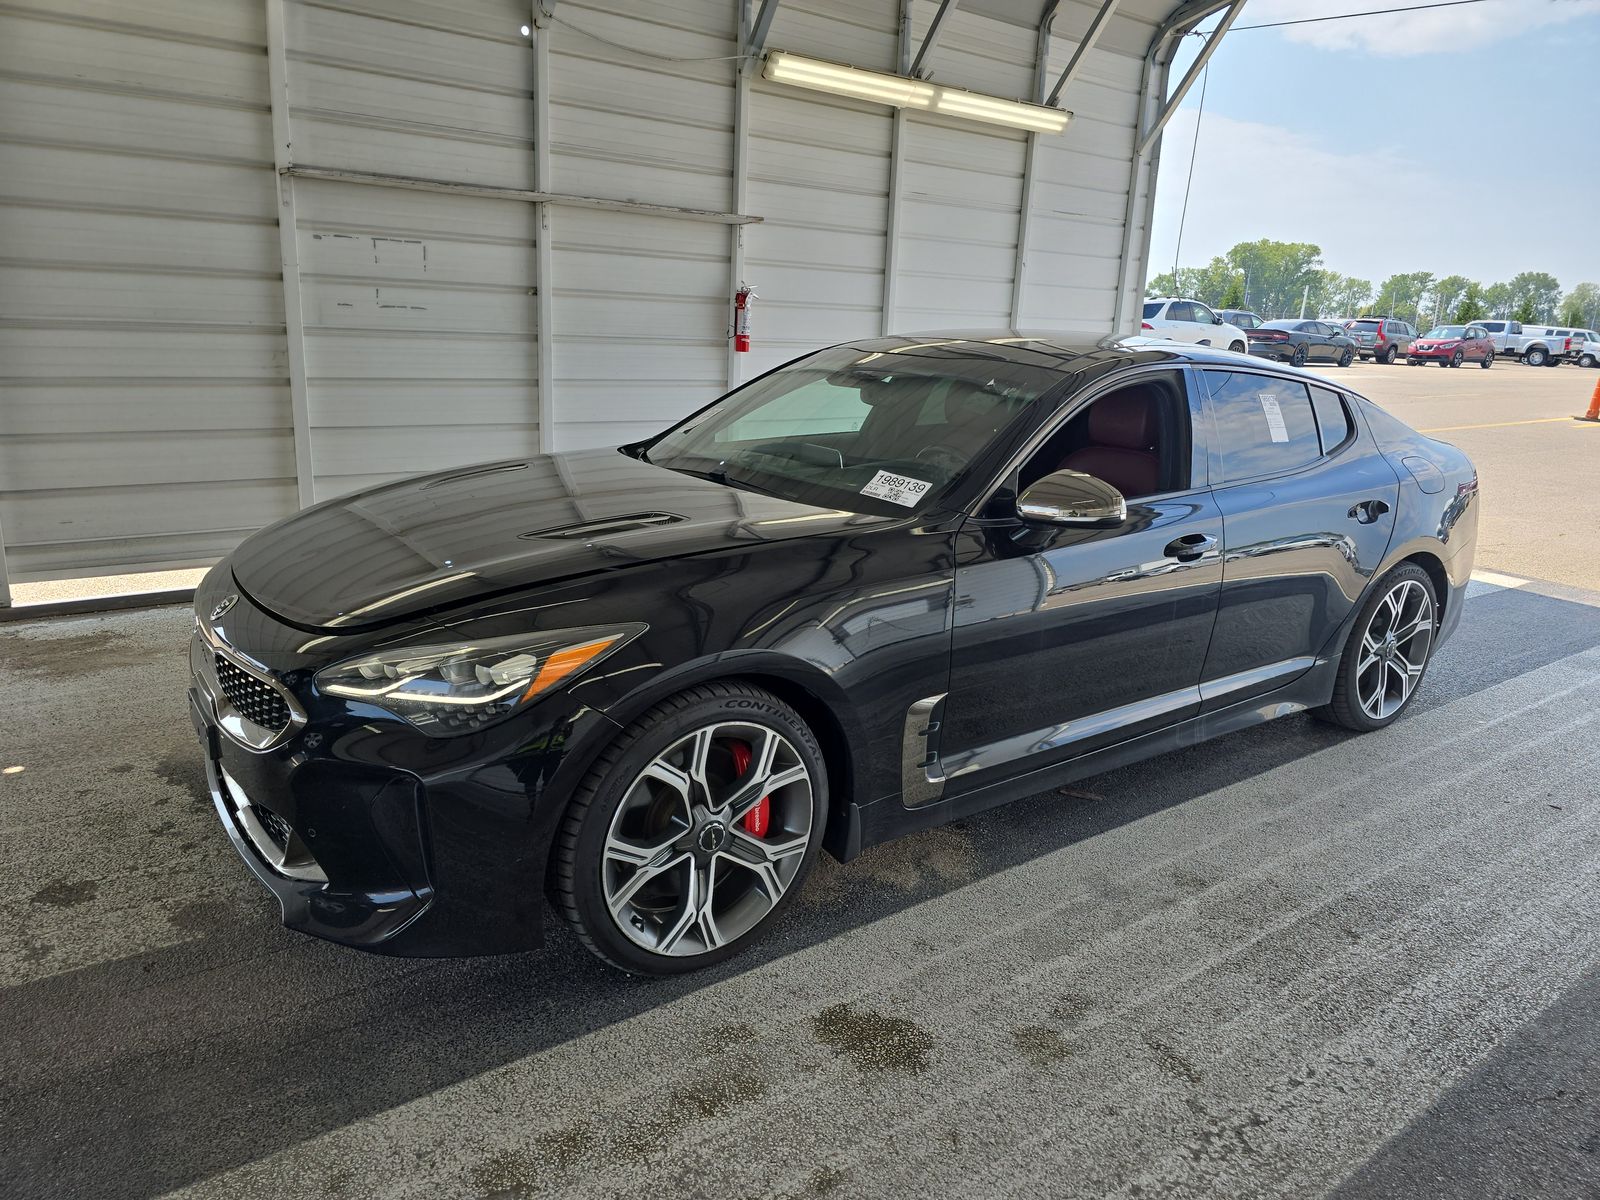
1275,425
897,489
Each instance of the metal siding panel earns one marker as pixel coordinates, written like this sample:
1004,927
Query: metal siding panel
141,352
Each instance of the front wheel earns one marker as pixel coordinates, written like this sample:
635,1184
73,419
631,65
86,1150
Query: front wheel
1488,360
1457,359
1237,347
1387,652
693,831
1348,357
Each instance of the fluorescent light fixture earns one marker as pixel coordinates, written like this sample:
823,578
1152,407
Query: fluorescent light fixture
897,91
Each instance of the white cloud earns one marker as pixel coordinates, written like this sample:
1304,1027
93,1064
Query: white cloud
1431,31
1373,211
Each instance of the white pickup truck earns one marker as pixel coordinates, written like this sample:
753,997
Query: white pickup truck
1535,345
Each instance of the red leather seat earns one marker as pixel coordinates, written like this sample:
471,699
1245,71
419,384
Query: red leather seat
1122,439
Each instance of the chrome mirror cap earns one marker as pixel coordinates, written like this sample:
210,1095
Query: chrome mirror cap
1072,498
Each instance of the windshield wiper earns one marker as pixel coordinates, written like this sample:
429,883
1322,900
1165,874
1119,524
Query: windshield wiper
718,475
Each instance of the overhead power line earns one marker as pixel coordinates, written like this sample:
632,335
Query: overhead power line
1376,12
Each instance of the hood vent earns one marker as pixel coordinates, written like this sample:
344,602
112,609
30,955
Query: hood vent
604,527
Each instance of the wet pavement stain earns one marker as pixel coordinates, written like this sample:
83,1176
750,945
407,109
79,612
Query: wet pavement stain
1172,1062
720,1037
505,1175
184,770
872,1041
1040,1045
73,655
201,916
702,1100
66,893
824,1180
1072,1007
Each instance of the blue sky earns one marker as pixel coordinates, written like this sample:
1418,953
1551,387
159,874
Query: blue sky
1431,141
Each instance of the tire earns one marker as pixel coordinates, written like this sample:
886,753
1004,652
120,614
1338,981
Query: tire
1371,672
1298,358
1457,359
626,806
1388,356
1589,360
1536,357
1488,360
1345,359
1237,347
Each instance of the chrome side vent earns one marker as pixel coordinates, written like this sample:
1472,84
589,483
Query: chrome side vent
605,526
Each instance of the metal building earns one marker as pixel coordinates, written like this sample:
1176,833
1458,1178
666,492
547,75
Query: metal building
257,253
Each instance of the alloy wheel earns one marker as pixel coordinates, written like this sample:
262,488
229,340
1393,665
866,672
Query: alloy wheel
1394,650
708,838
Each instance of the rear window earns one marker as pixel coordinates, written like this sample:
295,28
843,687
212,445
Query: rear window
1264,425
1152,310
1362,325
1333,422
1495,326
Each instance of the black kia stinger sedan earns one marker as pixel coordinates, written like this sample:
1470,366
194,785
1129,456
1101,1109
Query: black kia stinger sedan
888,584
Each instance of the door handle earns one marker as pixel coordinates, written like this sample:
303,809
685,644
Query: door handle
1190,546
1368,511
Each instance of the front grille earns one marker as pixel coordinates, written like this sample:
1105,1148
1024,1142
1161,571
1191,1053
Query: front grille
277,828
255,699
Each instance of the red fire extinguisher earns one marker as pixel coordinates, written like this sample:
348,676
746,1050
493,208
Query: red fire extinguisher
742,299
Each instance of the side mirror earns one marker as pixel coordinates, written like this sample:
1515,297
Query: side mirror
1072,498
1217,321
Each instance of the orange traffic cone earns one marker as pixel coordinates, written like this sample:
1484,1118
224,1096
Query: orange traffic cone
1594,406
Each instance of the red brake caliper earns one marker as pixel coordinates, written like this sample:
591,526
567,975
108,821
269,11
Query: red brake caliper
759,817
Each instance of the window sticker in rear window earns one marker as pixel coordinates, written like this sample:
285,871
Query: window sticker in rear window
1275,425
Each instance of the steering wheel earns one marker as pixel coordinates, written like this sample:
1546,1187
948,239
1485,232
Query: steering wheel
947,459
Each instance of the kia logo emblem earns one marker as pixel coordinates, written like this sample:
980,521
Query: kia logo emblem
221,609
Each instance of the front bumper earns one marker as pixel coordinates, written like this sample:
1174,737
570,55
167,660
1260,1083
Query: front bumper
371,834
1431,355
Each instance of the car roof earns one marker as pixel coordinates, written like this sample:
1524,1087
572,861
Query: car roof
1065,351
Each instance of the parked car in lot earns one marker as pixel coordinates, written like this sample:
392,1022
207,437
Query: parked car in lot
1382,339
1190,321
1452,345
1570,343
1589,352
885,586
1299,342
1535,345
1241,318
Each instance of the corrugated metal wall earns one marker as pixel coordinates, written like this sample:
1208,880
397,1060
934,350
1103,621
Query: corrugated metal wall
148,413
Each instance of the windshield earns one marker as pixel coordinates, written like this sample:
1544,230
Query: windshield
1153,309
872,432
1446,331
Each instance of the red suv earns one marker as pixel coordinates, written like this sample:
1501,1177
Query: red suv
1452,345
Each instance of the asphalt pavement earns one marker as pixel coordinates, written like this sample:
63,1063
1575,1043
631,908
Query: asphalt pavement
1292,962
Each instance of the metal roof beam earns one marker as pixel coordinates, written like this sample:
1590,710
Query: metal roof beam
1178,93
930,39
1096,28
759,30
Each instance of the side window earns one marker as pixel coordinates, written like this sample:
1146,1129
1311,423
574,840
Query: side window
1180,310
1265,426
1136,438
1333,419
1203,314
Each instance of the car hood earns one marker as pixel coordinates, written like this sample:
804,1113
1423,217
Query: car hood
428,544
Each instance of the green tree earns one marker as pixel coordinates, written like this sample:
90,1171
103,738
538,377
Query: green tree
1447,294
1538,290
1277,274
1526,311
1343,295
1234,296
1471,307
1405,296
1585,300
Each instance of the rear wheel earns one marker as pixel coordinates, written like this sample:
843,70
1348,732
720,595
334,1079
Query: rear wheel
1389,355
1488,360
1535,357
1387,653
693,831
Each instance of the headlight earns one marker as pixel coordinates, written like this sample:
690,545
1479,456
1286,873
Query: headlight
450,688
